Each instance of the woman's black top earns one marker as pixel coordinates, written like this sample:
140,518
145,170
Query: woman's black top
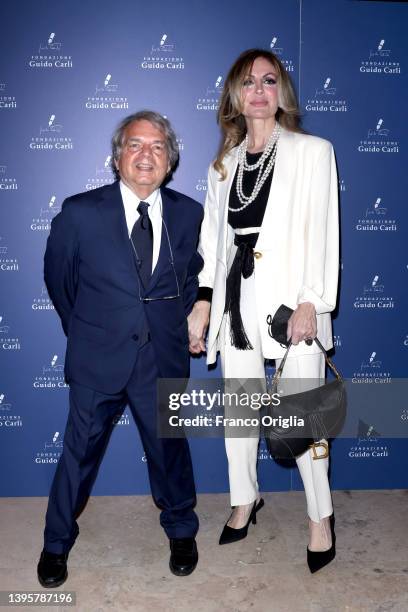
252,215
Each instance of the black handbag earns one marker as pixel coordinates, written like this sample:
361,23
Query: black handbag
302,420
278,325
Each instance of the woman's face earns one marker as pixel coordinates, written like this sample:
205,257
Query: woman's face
259,92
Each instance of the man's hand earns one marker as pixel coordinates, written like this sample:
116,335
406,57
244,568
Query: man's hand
302,324
198,320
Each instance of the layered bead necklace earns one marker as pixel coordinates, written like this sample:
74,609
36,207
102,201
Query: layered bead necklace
263,173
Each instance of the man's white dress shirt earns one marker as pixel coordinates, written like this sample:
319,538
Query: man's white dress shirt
130,203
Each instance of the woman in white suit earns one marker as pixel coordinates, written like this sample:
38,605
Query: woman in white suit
269,237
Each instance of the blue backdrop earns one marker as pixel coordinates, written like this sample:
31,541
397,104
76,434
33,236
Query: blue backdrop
70,71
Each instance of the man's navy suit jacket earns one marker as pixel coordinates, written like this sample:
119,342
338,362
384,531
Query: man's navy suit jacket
92,279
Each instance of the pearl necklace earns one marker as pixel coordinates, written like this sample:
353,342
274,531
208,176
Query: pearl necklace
271,147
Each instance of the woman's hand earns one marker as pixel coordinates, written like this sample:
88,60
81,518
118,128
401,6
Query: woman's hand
302,324
198,320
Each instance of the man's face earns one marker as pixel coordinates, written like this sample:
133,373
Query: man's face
144,161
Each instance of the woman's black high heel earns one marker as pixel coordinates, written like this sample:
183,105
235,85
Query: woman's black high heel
229,534
318,559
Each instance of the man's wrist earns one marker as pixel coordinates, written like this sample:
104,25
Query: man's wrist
202,305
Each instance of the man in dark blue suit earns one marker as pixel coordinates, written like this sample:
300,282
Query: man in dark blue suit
121,268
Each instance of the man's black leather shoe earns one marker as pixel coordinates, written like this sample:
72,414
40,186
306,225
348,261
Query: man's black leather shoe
184,556
52,569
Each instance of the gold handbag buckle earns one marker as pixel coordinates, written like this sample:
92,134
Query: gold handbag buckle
323,445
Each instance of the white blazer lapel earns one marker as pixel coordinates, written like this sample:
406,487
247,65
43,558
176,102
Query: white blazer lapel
280,193
231,164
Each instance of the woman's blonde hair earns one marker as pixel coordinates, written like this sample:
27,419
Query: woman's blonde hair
230,118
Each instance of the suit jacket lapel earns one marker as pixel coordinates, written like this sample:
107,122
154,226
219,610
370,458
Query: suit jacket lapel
280,193
167,226
114,221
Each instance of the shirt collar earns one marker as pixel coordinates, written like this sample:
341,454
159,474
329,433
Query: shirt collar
130,196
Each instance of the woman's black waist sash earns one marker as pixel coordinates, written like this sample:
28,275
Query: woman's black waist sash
242,266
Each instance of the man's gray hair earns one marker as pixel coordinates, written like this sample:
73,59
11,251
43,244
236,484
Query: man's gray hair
155,119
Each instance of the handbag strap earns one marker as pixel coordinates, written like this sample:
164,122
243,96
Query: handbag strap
329,362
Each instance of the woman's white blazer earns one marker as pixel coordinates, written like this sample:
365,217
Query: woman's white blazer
298,244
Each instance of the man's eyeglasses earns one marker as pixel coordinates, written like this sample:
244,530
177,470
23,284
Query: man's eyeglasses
135,146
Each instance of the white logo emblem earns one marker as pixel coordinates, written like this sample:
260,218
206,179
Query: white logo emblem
326,89
380,51
3,405
51,44
50,55
210,101
276,50
164,46
324,99
163,56
378,140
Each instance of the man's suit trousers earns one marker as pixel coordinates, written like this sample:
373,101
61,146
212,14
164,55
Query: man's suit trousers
90,423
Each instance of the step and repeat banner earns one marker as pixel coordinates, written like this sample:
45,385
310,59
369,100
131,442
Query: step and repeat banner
69,72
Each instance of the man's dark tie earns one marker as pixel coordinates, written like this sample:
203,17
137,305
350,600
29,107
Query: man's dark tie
142,238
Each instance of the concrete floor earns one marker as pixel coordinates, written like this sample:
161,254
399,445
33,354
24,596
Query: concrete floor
120,561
